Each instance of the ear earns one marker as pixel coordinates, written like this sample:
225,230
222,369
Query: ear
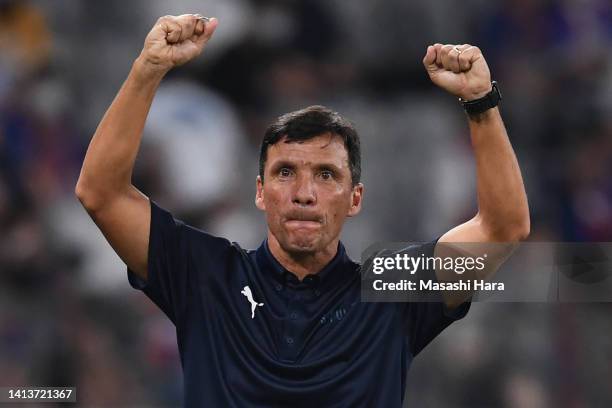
356,198
259,195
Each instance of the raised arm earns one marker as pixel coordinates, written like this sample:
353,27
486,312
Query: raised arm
503,212
105,184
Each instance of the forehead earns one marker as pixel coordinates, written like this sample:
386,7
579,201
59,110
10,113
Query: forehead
328,148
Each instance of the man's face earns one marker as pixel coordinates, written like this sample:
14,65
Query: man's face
307,193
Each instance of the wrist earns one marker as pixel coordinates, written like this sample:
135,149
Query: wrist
488,101
483,118
146,71
477,94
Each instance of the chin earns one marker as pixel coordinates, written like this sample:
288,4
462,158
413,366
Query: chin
302,245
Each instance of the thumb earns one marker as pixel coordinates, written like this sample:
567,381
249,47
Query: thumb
209,29
429,61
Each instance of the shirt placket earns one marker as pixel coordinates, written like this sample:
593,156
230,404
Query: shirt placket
295,321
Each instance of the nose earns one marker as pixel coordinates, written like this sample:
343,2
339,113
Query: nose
304,192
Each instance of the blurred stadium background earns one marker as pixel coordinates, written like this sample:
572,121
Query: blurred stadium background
67,314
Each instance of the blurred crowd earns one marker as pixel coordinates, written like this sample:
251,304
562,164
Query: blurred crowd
67,314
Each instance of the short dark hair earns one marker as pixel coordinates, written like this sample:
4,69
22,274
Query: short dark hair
307,123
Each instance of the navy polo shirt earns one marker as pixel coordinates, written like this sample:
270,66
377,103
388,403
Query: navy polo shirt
310,343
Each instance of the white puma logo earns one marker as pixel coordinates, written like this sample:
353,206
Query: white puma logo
249,295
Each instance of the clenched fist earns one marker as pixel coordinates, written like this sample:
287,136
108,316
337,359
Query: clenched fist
175,40
458,69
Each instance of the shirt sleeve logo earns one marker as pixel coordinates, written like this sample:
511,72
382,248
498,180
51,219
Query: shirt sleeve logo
249,295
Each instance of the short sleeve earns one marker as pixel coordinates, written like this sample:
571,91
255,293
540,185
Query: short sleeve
168,277
423,321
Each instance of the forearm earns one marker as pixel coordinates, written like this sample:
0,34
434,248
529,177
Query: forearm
109,161
502,201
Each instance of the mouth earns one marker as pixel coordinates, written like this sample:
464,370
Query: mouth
306,221
302,224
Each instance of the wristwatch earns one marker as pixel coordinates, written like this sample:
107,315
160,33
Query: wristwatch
487,102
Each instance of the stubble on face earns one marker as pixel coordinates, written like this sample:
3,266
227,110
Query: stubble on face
307,194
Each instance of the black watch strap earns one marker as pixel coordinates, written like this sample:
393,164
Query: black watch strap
487,102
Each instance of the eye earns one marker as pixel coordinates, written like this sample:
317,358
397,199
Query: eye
327,175
284,172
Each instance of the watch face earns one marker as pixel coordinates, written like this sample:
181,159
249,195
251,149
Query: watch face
496,88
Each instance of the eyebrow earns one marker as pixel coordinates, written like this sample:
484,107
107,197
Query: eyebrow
328,166
290,164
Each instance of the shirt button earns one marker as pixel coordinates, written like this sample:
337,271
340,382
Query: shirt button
278,287
289,340
317,292
294,315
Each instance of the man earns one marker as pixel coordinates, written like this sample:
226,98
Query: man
284,325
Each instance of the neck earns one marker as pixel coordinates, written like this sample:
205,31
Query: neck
302,263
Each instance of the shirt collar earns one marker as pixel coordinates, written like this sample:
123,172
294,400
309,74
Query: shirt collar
331,273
